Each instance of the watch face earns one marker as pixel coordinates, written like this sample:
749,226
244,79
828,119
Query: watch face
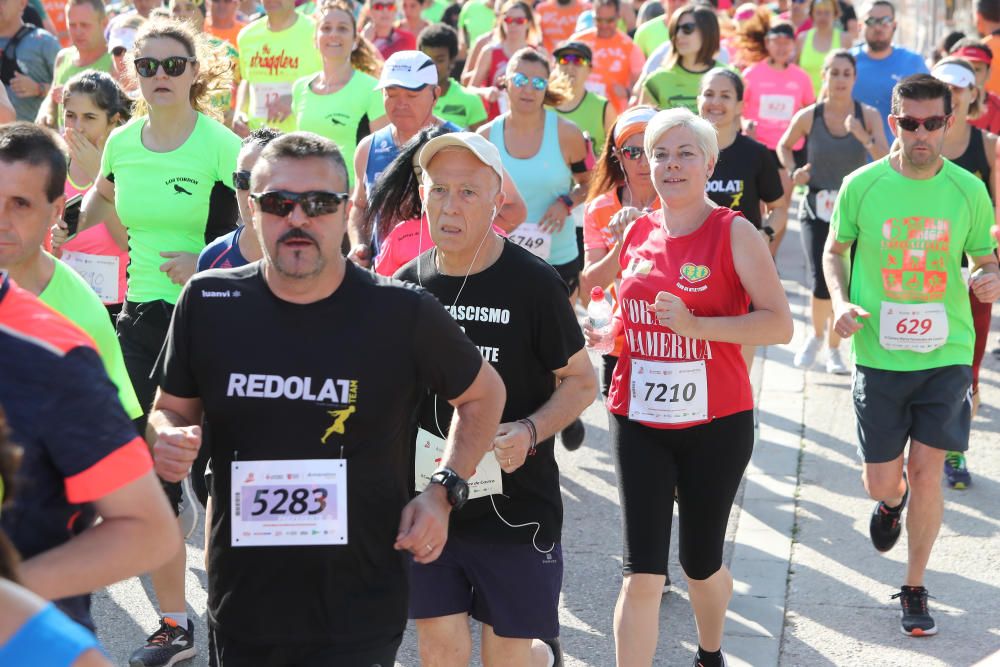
462,491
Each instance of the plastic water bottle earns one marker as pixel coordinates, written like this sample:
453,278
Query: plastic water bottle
599,314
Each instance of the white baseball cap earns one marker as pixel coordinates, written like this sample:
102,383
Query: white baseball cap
121,37
485,151
408,69
954,74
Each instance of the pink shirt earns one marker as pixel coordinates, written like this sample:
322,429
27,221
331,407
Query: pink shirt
773,97
405,242
96,245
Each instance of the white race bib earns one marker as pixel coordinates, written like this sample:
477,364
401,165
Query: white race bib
777,107
825,199
289,503
596,86
100,272
529,236
668,392
268,93
918,327
485,481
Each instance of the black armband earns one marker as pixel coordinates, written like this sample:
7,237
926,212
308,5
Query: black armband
579,167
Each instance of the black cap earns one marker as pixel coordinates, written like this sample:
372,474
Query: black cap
574,47
783,29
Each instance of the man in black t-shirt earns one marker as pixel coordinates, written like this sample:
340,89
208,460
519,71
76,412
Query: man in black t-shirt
502,563
313,419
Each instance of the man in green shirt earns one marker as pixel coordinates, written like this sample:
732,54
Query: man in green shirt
89,50
465,109
38,202
912,215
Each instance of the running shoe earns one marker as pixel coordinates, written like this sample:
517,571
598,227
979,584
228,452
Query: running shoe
806,355
698,662
166,647
572,435
835,363
956,472
886,524
915,619
556,648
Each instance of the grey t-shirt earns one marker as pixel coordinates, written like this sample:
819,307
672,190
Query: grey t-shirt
36,56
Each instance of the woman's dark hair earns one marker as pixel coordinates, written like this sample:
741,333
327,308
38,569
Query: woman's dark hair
104,91
708,25
10,458
733,77
396,195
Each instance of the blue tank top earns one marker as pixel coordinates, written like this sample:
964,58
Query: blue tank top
382,151
47,639
540,179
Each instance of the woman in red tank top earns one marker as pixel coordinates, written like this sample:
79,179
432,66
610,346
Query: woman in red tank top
515,29
680,398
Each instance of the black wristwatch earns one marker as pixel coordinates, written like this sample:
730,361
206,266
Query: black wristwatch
457,488
769,230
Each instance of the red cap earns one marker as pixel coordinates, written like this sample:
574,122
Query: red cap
973,54
597,294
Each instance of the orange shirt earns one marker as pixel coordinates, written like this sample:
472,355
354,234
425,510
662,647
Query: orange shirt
558,21
228,34
617,63
56,9
993,83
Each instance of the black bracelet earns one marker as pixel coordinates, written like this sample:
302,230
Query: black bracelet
532,431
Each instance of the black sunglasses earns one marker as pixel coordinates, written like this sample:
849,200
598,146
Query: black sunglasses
241,180
313,203
881,20
687,28
631,152
931,123
172,66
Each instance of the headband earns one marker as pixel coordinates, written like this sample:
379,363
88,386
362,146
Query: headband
631,123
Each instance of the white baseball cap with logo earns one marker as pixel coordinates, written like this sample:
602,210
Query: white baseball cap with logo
408,69
481,147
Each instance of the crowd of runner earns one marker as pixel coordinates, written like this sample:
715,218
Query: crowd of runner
320,267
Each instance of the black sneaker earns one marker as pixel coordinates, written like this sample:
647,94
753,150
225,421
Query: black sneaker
556,649
886,523
572,435
698,662
166,647
915,620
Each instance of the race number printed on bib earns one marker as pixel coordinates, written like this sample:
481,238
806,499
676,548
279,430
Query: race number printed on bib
529,236
668,392
268,93
825,199
777,107
289,503
100,272
485,481
917,327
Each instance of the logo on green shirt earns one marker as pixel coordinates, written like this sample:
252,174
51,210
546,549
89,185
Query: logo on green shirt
274,63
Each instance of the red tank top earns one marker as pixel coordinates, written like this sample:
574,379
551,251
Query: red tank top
498,67
663,379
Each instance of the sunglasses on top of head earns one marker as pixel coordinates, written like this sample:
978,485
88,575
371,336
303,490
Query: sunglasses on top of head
515,20
172,66
520,81
573,59
314,203
911,124
687,28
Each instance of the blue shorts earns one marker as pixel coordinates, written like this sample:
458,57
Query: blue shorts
511,587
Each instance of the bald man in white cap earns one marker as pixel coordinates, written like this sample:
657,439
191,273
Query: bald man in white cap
503,562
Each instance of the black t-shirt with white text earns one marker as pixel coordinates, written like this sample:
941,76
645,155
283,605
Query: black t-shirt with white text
338,378
517,312
745,175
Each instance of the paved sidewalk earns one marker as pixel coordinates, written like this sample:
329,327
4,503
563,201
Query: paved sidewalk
810,589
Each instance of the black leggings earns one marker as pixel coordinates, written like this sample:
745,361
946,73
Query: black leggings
142,328
705,463
814,233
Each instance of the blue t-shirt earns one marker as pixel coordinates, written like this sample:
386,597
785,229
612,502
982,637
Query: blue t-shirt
876,78
223,252
36,56
47,639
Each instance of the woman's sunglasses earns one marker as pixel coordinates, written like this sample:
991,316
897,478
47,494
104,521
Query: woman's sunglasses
630,152
172,66
515,20
520,81
573,59
687,28
931,123
380,6
315,203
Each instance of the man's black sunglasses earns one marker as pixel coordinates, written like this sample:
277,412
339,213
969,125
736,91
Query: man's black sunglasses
313,203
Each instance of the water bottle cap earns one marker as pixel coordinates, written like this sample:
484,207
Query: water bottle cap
597,294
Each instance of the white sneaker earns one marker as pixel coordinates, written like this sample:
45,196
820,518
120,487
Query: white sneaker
835,363
806,355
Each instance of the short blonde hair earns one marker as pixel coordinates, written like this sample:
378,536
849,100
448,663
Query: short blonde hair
705,134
